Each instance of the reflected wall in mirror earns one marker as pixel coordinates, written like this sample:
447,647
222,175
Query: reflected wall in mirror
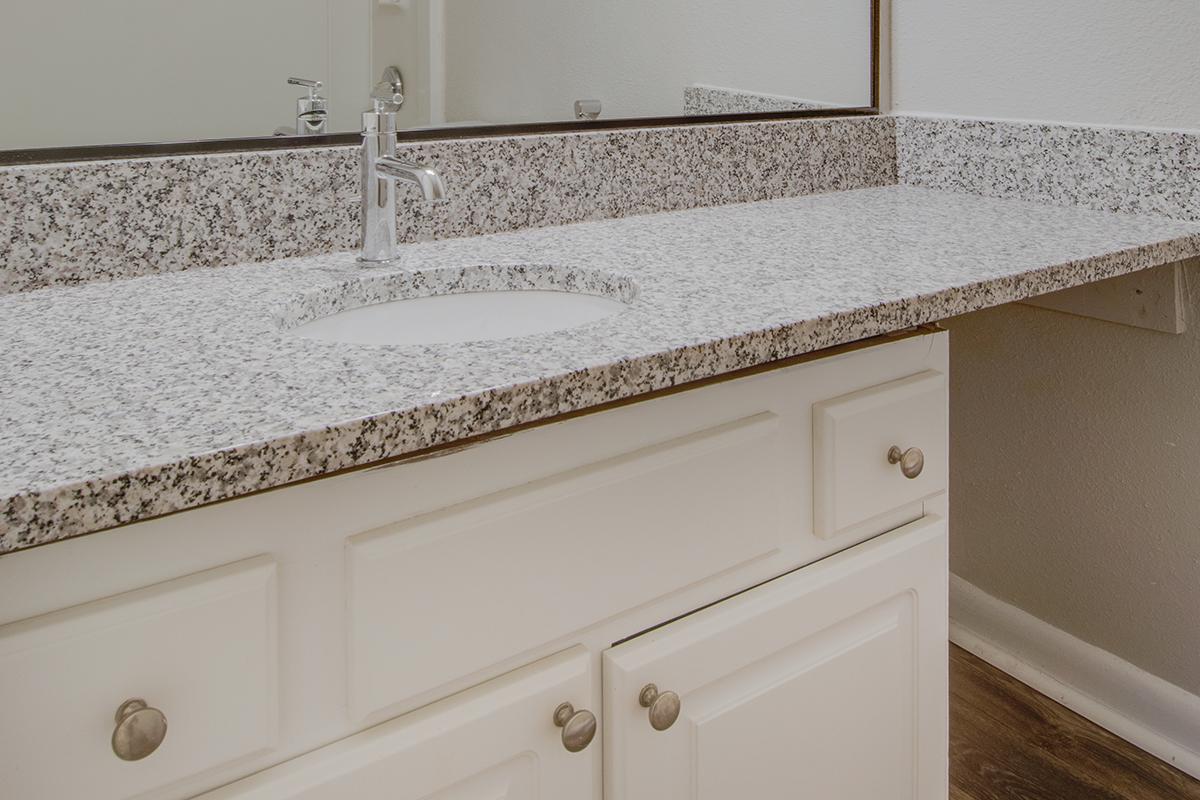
104,72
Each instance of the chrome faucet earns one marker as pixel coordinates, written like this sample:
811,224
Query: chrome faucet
381,170
312,112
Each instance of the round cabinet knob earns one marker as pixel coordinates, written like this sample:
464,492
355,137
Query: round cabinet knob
664,706
578,727
140,730
911,461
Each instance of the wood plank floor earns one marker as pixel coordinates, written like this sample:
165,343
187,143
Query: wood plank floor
1007,742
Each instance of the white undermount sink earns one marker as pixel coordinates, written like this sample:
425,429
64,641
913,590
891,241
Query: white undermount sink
481,303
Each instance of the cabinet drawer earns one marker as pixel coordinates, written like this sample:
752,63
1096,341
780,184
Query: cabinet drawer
497,741
199,649
449,594
857,489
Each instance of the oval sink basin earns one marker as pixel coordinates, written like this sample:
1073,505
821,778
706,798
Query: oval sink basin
451,318
459,305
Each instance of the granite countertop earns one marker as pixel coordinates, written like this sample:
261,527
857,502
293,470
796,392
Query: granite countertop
127,400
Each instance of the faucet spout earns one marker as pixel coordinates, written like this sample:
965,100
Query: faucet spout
423,177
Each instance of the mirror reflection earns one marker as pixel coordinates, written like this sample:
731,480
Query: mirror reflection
93,72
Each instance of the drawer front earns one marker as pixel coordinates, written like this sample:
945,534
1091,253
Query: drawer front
857,489
497,741
199,649
449,594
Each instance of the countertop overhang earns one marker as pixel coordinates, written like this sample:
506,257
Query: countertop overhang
128,400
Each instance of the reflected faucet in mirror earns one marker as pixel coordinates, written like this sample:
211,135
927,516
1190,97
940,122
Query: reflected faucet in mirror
388,94
312,111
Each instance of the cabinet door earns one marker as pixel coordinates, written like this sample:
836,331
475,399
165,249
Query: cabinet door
497,741
830,683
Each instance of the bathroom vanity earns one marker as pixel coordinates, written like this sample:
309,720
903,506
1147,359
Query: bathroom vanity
721,590
562,416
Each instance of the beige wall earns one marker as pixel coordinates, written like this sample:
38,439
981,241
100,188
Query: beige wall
1076,479
1076,443
1096,61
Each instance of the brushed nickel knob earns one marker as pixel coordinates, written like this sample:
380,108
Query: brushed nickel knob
140,730
911,461
664,706
578,727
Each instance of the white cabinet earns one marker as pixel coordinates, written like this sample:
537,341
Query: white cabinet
828,683
497,741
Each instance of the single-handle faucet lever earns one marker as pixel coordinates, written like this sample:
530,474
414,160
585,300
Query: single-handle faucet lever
380,172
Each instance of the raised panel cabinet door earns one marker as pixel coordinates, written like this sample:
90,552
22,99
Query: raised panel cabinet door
829,683
497,741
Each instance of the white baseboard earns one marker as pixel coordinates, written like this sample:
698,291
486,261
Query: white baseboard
1145,710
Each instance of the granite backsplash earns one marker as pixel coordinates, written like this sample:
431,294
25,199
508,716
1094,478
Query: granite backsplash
73,223
1127,170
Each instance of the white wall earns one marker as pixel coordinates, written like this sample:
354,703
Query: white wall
1076,442
519,60
1122,62
78,72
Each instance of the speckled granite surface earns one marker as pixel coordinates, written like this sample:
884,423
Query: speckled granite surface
1110,169
67,224
125,400
707,100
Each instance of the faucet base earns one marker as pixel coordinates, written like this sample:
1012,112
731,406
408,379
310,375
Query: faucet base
376,262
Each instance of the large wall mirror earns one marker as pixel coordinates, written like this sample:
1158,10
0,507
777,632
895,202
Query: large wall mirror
173,76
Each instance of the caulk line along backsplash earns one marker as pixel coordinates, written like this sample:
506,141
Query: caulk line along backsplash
73,223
